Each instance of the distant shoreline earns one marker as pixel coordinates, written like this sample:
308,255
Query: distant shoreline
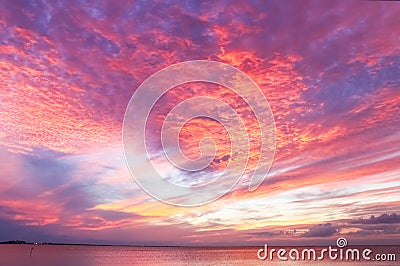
22,242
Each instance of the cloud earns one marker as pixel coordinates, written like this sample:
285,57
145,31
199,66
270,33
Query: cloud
381,219
321,230
14,230
266,233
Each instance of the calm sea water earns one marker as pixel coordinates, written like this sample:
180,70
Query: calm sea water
101,255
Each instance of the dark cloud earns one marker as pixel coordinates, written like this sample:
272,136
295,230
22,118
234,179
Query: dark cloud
321,230
16,230
381,219
7,211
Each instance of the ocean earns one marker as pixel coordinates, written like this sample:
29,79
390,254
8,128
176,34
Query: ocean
74,255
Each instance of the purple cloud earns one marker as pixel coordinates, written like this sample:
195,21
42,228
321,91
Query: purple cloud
321,230
381,219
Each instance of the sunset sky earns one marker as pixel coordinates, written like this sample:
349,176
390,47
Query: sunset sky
329,69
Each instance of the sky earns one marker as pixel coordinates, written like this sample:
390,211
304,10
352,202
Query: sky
329,69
